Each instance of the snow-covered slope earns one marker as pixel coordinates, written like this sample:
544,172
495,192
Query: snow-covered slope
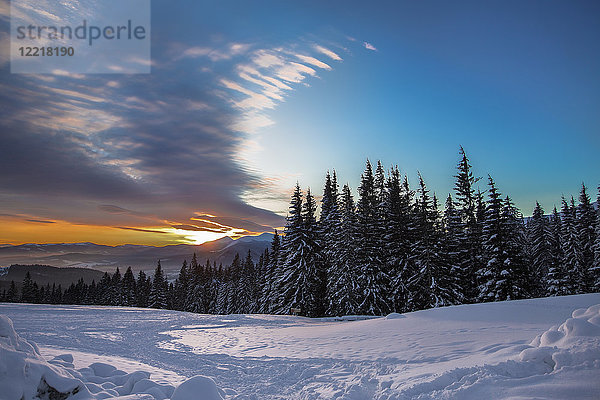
541,348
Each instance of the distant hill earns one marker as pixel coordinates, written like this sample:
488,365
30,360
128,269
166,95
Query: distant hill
43,274
139,257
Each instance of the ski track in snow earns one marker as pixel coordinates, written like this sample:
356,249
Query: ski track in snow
471,352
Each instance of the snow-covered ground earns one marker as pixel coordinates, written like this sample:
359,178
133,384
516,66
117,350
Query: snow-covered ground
529,349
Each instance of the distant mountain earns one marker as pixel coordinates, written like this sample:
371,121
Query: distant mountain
44,274
139,257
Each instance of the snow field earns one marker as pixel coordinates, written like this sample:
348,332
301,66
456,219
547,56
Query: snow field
25,375
529,349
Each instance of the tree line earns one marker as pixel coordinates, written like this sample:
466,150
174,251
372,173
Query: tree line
394,249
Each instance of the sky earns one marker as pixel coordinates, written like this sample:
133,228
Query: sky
244,99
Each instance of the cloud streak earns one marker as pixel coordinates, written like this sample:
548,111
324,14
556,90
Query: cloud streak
369,46
140,152
327,52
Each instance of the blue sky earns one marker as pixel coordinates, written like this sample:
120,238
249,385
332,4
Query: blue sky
246,98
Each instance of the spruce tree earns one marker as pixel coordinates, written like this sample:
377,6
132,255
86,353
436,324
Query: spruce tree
272,275
395,237
233,299
342,276
596,267
212,289
194,276
557,279
58,299
116,290
206,299
541,256
427,287
330,232
129,288
466,202
104,292
302,278
494,247
400,236
28,292
158,292
13,293
198,299
247,290
222,306
373,282
585,226
451,253
504,275
143,285
182,287
515,280
47,299
570,248
170,295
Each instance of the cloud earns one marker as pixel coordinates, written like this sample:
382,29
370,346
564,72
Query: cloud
369,46
215,54
137,152
112,209
61,72
242,223
188,227
327,52
77,95
5,9
264,81
141,230
4,48
294,72
41,221
252,122
252,99
313,61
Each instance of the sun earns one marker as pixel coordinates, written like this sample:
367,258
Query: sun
198,237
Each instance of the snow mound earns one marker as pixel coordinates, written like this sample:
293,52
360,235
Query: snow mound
198,388
26,375
395,316
552,358
576,342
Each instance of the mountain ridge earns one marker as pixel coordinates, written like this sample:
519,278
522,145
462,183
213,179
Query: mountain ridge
138,257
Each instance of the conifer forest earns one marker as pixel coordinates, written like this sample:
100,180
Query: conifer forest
393,248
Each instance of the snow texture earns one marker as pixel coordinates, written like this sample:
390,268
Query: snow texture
527,349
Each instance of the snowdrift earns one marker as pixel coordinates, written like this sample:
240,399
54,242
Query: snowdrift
528,349
546,369
26,375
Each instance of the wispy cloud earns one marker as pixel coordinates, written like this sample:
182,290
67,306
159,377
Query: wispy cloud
369,46
266,77
214,53
142,230
313,61
41,221
327,52
140,152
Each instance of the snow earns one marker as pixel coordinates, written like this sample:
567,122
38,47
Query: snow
198,386
540,348
25,374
